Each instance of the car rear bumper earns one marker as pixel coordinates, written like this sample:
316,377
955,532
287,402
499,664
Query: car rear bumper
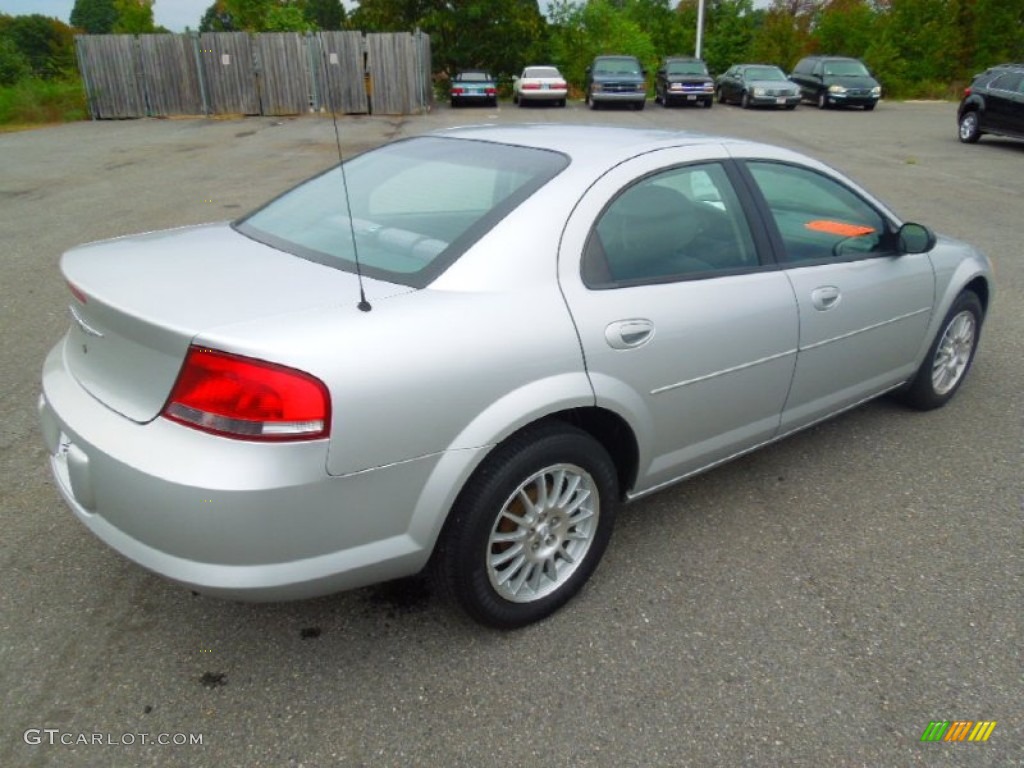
245,520
549,95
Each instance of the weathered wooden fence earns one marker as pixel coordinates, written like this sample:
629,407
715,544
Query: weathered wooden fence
274,73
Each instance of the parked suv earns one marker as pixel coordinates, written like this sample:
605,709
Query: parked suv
616,79
993,103
684,80
835,81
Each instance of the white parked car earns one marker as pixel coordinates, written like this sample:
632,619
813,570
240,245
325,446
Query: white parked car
540,85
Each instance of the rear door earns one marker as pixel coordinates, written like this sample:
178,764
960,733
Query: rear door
685,331
864,308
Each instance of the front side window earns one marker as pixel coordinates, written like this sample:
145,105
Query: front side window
415,205
817,217
679,224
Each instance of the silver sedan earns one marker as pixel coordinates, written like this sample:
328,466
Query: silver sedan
465,350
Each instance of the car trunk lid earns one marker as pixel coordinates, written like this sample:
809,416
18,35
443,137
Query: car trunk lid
146,298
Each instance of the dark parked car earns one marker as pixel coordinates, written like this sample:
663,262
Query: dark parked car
756,85
474,86
836,81
993,103
616,80
684,80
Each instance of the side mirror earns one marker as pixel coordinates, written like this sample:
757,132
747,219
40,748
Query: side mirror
915,238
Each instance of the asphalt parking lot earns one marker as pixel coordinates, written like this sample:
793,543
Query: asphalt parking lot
816,604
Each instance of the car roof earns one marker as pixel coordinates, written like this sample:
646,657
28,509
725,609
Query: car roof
589,143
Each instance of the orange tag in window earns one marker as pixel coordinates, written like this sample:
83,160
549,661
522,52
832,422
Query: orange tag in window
839,228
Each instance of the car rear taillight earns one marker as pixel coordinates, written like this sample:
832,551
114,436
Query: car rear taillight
967,91
77,293
248,399
559,86
531,86
492,91
457,91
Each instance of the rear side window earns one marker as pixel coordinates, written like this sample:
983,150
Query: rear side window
1011,81
818,218
415,206
679,224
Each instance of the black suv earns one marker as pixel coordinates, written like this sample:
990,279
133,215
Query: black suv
993,103
683,80
833,81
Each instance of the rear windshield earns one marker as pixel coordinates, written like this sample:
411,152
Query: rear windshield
413,206
541,72
473,77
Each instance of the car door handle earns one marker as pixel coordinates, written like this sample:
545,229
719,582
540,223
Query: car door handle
629,334
825,298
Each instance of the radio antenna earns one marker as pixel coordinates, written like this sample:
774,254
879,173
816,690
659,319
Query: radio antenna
363,305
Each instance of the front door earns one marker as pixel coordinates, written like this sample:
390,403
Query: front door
864,307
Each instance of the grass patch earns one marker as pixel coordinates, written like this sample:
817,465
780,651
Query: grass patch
34,101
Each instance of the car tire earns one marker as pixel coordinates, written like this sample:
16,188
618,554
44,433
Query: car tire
970,127
720,96
745,100
639,105
791,107
513,551
561,102
822,101
708,103
869,107
949,357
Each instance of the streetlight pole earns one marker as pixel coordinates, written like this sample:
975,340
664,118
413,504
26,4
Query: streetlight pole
700,28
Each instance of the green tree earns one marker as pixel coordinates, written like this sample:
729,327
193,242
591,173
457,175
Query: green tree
996,28
97,17
325,14
134,17
579,33
782,39
501,35
46,45
925,38
13,64
286,18
391,15
254,16
729,27
844,27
